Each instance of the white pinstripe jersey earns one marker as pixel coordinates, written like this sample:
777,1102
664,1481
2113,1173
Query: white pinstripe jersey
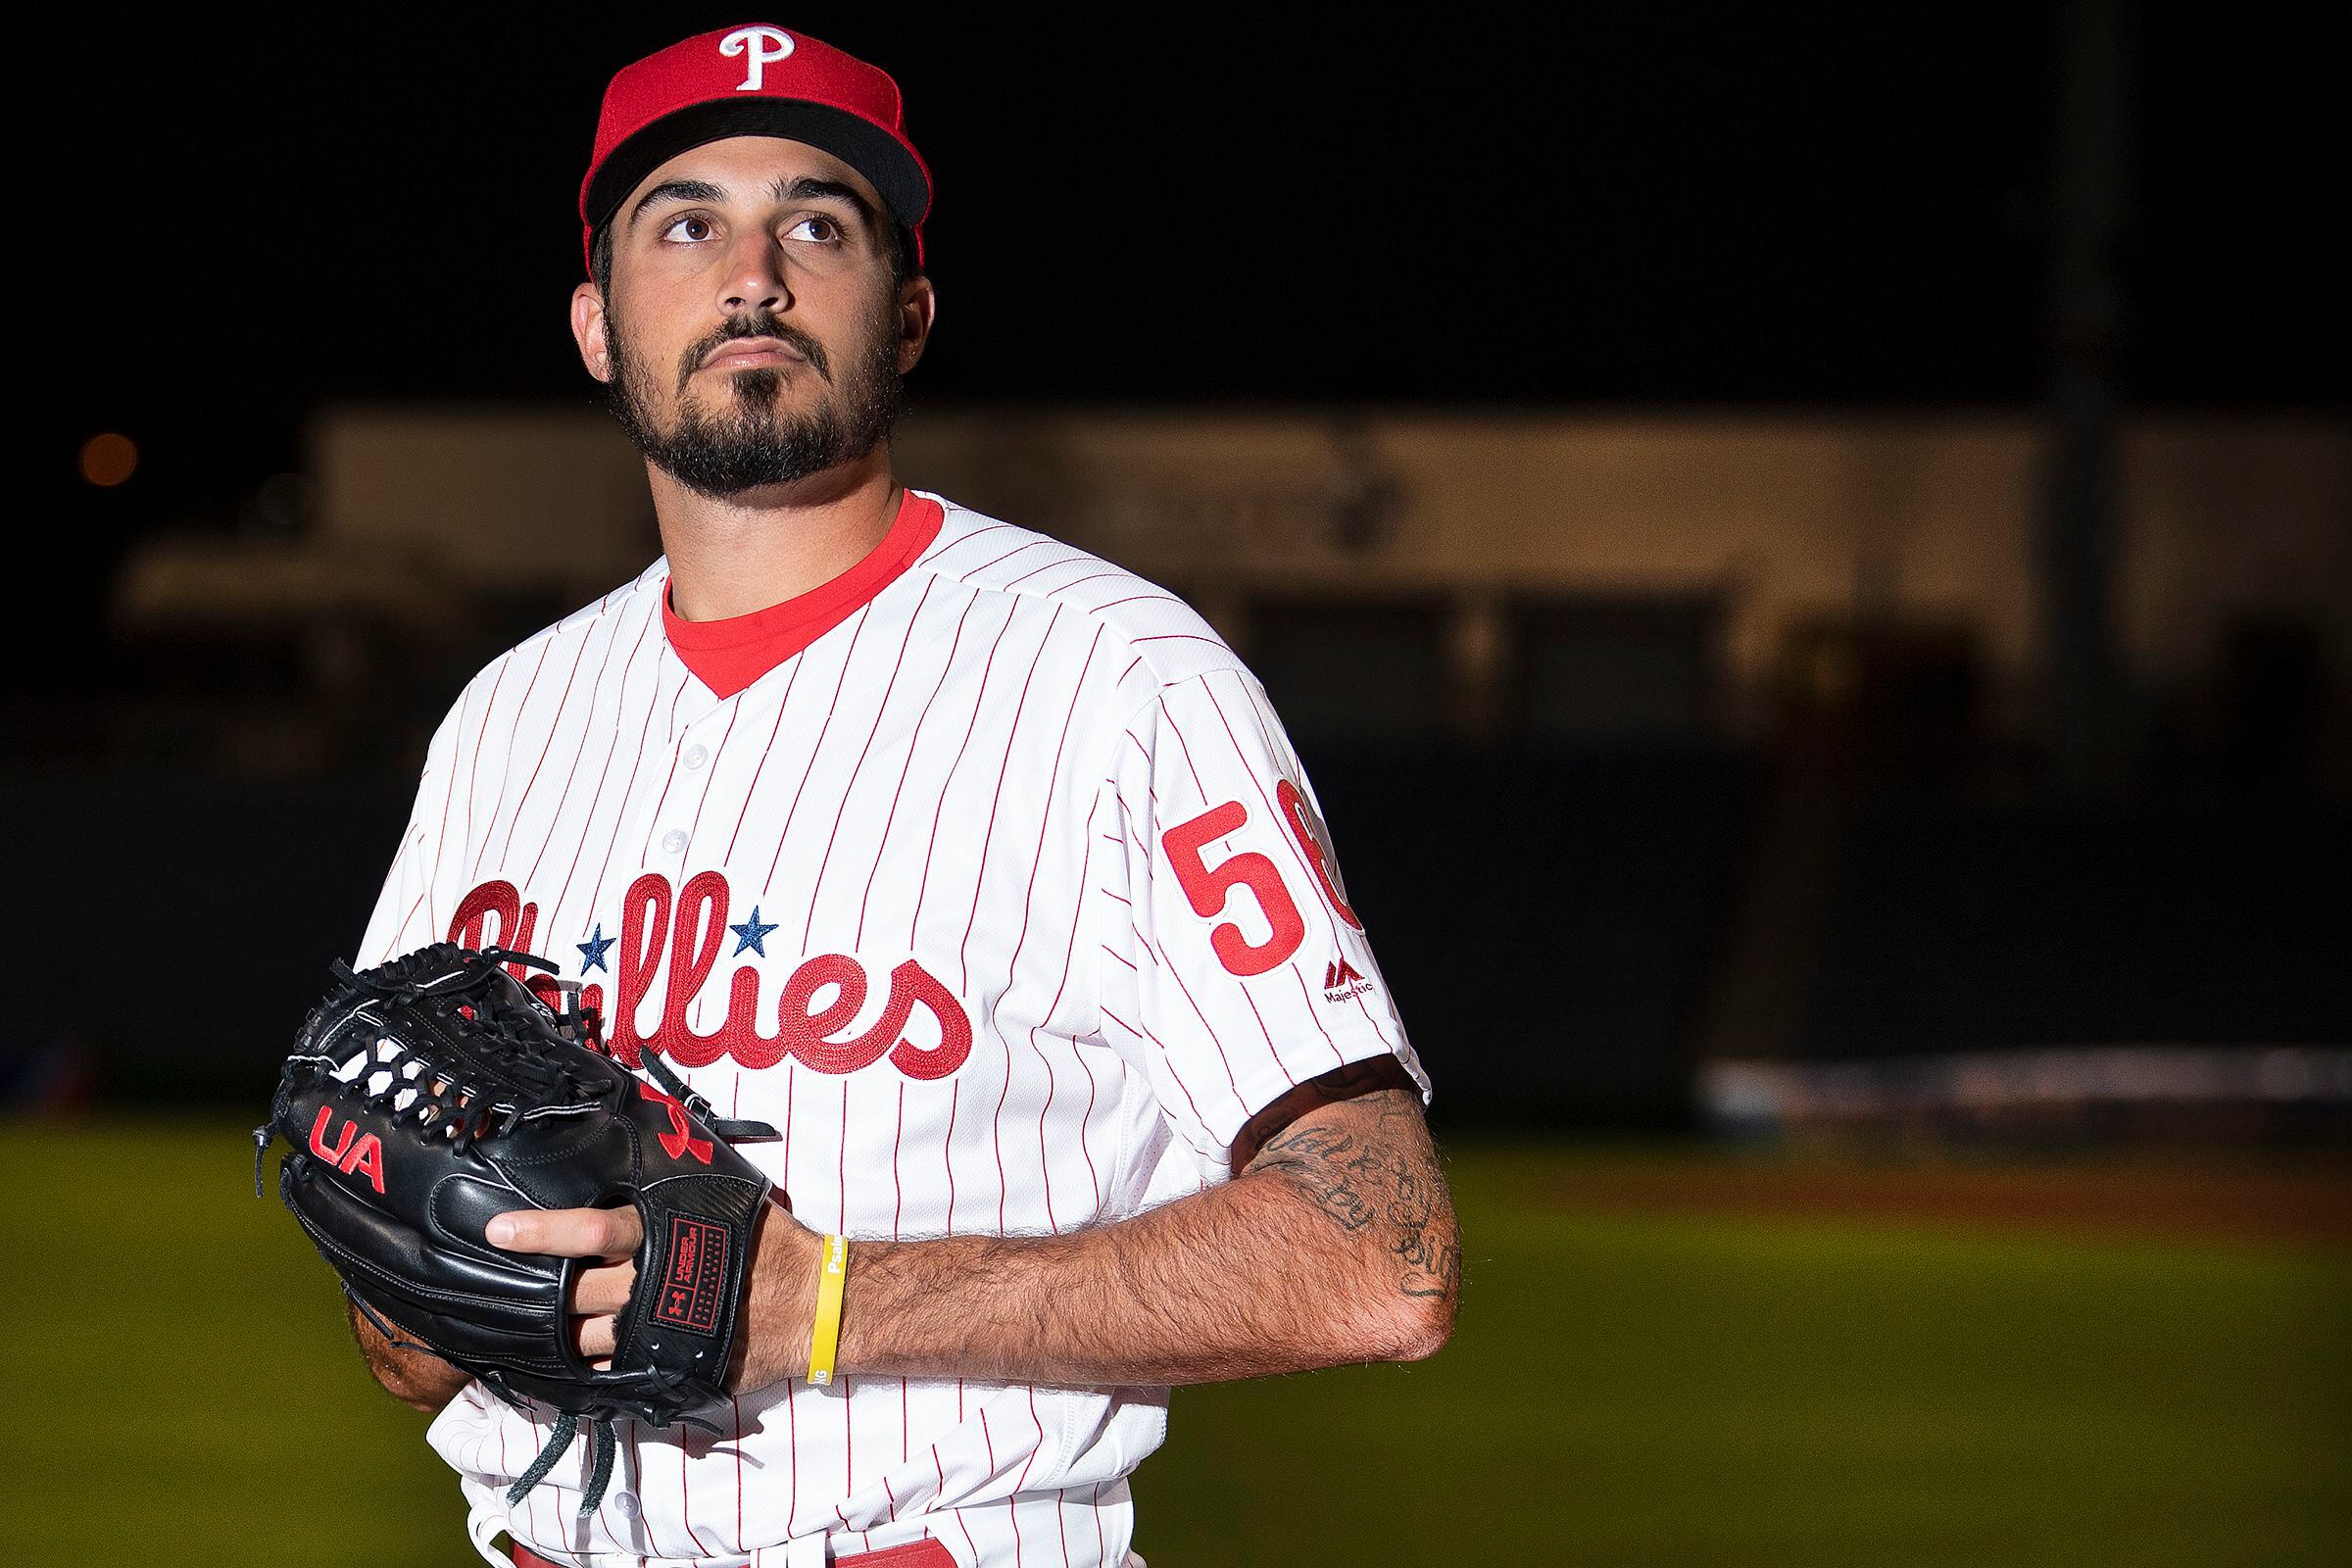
1005,900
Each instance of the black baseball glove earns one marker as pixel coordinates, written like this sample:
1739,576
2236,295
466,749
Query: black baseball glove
432,1093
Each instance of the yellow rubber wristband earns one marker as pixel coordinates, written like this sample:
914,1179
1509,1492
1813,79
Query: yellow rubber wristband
825,1342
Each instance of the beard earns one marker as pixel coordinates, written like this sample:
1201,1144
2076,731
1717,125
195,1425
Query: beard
747,440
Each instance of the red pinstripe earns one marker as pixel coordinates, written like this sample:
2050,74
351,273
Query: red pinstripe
396,943
734,1404
1185,746
841,1181
554,819
997,1137
819,750
913,739
474,772
898,1194
448,796
817,887
1045,1168
1094,1178
645,854
947,1156
1164,1055
1074,556
1177,975
1306,998
783,707
923,887
621,814
520,708
970,571
1004,766
939,550
1028,905
1138,599
711,778
556,722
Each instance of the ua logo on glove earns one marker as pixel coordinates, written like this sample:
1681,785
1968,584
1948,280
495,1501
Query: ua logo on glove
680,1140
352,1153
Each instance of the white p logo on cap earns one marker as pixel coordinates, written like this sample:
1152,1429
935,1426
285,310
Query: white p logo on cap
762,45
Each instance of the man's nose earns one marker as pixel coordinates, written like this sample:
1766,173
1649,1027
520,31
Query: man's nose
754,277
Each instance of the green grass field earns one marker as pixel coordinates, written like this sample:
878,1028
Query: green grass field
1625,1387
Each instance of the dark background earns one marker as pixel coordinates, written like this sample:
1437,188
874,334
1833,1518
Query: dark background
1658,205
1670,206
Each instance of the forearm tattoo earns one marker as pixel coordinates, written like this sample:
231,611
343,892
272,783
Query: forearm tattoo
1370,1169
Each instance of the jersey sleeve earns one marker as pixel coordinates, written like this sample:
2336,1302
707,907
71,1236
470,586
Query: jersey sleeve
403,920
1251,971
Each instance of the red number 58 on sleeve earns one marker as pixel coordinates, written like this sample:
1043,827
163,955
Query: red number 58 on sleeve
1207,886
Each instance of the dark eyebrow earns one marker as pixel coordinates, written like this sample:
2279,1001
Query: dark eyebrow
676,190
810,188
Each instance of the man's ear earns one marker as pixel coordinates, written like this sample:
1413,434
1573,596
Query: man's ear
918,307
588,331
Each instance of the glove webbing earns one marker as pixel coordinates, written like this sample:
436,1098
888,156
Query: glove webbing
733,1131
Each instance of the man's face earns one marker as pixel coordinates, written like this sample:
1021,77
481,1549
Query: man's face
752,334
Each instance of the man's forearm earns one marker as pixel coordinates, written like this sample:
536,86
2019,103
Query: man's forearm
1335,1245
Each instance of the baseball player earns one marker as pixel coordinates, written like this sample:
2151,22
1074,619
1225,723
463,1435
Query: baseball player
979,869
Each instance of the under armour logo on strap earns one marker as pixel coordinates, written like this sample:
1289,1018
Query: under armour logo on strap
762,45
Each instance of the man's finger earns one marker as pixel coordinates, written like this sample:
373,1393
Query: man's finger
597,1338
568,1232
603,1290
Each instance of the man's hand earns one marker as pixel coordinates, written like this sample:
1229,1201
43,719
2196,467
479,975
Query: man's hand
777,1318
609,1235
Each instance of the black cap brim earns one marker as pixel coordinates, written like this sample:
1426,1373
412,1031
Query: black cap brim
863,145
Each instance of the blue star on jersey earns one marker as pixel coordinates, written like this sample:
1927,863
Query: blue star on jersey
752,936
591,951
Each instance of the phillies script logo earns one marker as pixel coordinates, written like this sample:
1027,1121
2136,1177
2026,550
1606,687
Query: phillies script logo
683,932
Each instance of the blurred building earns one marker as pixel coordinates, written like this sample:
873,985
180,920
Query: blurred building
1472,575
1655,745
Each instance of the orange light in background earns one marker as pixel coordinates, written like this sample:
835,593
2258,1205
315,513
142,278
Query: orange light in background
109,459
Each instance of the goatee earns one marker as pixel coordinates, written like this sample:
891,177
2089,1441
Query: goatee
747,442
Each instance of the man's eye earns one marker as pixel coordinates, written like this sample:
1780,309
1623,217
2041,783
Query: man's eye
691,229
815,226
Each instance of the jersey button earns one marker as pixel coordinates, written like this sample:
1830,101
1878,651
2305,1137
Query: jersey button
626,1503
674,842
696,756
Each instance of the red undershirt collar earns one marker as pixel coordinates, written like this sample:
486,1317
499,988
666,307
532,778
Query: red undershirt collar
729,655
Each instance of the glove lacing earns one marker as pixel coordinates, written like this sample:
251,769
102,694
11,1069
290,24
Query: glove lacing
443,1101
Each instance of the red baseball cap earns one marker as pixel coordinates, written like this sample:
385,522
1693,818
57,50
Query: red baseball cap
754,80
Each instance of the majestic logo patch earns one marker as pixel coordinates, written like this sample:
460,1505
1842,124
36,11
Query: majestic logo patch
1340,981
765,45
692,1269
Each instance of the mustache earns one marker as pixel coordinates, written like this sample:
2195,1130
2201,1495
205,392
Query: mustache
757,323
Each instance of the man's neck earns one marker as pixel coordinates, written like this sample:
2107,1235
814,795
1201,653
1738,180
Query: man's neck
733,557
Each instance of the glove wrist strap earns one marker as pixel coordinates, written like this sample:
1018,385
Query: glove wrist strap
824,1341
